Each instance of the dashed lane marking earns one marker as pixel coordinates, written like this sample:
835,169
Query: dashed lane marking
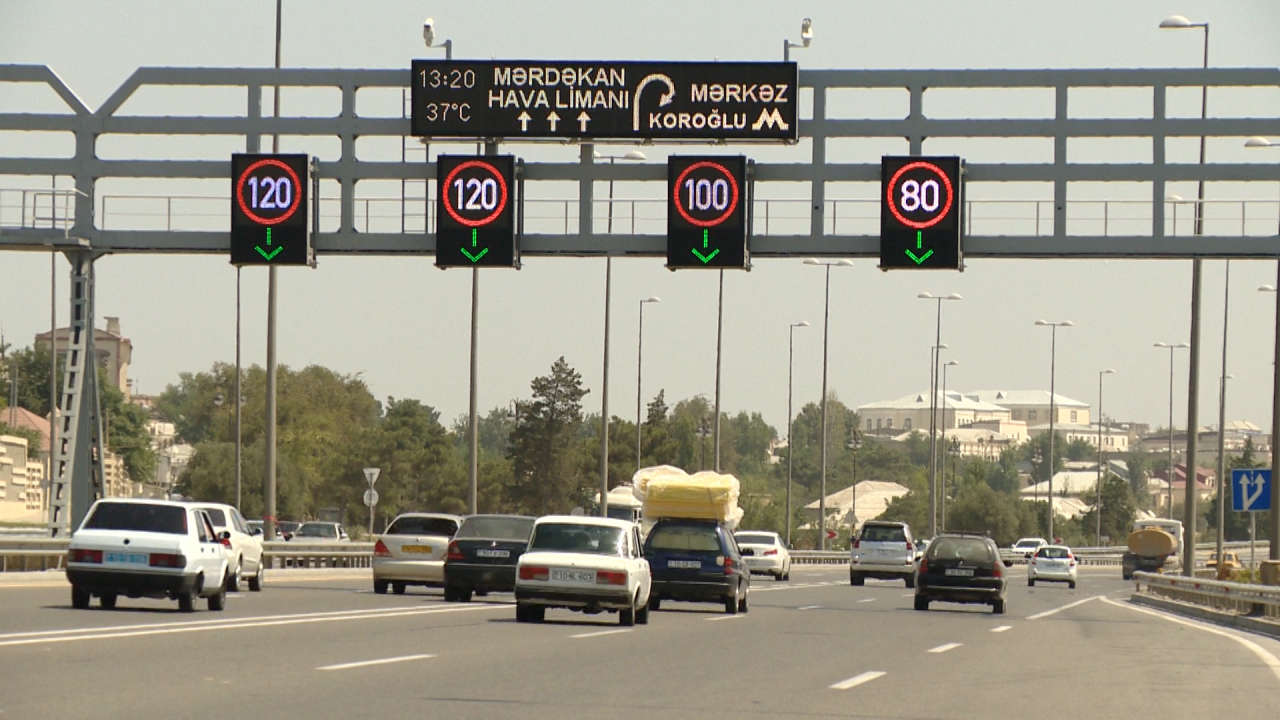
857,680
944,648
380,661
1047,613
598,633
1001,628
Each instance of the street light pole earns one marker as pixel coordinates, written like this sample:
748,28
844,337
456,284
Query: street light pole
942,497
791,338
1274,553
933,409
269,513
639,365
1053,326
1171,347
826,324
1097,506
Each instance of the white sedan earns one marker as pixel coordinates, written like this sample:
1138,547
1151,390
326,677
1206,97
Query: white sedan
244,546
765,553
1052,562
586,564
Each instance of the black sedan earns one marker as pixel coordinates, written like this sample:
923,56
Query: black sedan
483,553
961,568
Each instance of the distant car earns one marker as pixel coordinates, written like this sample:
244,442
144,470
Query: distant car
286,528
765,553
483,554
412,550
244,544
961,568
696,561
147,548
883,549
1230,561
1054,563
321,532
1026,547
586,564
256,527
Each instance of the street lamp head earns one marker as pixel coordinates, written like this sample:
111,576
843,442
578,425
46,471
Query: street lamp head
834,263
1180,22
802,323
633,155
925,295
951,362
954,296
1055,323
1258,141
651,298
1108,371
806,32
1266,288
1173,197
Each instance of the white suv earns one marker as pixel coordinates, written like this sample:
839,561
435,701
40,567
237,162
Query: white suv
883,549
147,548
245,545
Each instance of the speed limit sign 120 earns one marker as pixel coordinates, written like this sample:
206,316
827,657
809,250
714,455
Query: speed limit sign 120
921,213
475,203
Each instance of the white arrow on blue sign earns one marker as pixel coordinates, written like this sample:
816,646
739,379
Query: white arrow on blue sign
1250,490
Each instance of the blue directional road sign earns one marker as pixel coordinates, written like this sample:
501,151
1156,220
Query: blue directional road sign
1250,490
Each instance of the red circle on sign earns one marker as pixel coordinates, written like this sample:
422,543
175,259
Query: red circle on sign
502,188
733,199
248,172
893,184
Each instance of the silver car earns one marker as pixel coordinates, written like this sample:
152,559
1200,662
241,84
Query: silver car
883,549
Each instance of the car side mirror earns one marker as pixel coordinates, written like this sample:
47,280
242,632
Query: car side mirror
256,531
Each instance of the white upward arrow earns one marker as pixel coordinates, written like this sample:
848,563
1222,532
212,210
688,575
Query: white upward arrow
553,119
524,119
1251,498
583,119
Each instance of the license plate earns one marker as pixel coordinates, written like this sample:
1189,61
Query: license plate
573,576
690,564
960,572
486,552
121,557
416,549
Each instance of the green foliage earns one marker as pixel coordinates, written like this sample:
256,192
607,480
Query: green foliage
912,508
32,437
1036,451
1118,511
127,433
29,369
546,445
1079,449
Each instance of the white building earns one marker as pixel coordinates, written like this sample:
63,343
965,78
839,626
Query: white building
1032,406
873,497
911,412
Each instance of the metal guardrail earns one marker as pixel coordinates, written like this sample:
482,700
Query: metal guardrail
1245,598
819,557
20,554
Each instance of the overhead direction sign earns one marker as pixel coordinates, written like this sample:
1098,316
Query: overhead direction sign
605,99
707,201
475,224
921,208
1250,490
270,212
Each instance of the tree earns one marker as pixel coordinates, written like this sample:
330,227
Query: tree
1236,524
127,432
546,474
1079,449
29,369
1038,447
980,509
1118,511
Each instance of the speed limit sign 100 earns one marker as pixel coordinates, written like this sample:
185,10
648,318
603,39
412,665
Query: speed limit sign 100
921,203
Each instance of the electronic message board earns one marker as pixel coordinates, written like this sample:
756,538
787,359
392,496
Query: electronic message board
707,203
475,225
604,99
270,213
921,209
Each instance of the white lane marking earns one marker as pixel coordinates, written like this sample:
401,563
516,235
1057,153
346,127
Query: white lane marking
865,600
857,680
220,621
1266,657
911,594
1002,628
235,595
382,661
599,633
944,648
1047,613
808,607
154,630
727,617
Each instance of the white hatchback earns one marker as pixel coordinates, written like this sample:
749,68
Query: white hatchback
765,553
147,548
245,545
1052,563
587,564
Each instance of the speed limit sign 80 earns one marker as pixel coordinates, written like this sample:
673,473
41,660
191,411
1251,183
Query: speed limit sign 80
921,208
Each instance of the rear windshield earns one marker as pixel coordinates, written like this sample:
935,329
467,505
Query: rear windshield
423,526
1052,552
1027,543
324,530
567,537
218,517
884,533
971,549
138,516
684,537
754,538
496,528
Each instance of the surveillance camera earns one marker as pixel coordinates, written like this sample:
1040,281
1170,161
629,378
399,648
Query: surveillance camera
429,31
806,31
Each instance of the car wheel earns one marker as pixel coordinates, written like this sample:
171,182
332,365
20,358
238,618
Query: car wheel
187,601
1031,582
451,595
537,613
108,601
522,612
742,599
233,580
79,598
462,594
655,602
380,587
997,607
627,616
911,581
218,600
397,588
255,582
642,614
922,602
480,593
731,604
777,577
1071,584
856,579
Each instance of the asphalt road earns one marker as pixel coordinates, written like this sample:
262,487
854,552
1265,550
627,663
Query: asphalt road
320,644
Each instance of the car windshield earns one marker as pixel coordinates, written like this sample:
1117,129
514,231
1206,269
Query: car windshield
218,517
418,525
138,516
969,549
286,526
1054,553
496,528
698,538
569,537
1026,543
322,530
883,533
754,538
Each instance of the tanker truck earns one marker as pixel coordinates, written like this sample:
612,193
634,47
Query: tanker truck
1153,547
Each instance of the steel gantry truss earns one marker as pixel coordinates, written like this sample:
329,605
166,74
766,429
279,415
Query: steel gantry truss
77,477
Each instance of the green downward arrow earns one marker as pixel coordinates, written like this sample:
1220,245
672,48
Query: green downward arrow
919,242
476,257
704,258
268,255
